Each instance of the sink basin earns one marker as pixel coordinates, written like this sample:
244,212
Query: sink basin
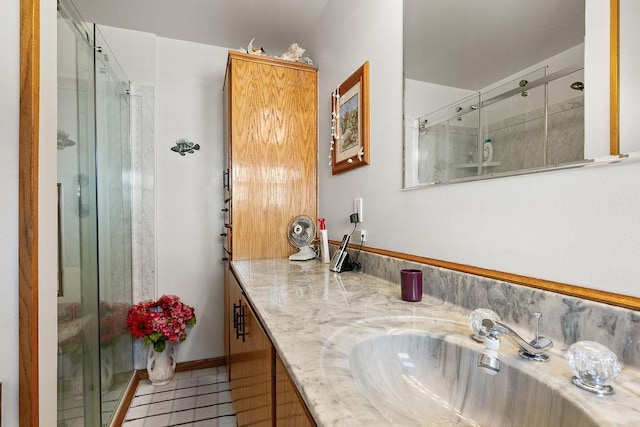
422,371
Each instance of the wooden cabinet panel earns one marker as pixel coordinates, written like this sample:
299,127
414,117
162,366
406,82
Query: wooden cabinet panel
272,151
262,391
251,370
227,311
290,409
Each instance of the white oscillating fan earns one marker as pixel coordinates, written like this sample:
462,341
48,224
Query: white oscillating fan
301,232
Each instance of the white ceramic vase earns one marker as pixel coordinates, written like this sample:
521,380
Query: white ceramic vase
161,366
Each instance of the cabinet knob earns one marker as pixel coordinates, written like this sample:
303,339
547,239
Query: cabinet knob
225,209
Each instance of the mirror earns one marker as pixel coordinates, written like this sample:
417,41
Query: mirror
481,104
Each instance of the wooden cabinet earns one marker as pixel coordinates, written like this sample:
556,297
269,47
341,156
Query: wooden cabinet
290,409
251,363
262,391
271,153
270,176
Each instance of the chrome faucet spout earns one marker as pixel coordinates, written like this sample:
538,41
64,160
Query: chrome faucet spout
534,349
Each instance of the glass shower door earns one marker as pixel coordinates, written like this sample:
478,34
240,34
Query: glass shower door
78,369
95,351
113,162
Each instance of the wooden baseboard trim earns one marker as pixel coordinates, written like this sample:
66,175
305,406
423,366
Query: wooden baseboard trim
190,366
610,298
125,402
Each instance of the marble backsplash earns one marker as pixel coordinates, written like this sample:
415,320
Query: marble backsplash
565,319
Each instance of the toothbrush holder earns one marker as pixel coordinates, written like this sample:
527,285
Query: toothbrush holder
411,285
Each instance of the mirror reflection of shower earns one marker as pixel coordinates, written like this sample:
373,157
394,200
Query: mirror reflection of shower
531,122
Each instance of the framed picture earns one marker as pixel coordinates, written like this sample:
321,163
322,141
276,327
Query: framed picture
350,122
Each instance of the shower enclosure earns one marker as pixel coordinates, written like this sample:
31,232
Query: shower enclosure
95,350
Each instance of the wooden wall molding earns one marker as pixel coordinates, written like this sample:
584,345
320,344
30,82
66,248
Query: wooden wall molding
610,298
614,81
125,402
28,392
189,366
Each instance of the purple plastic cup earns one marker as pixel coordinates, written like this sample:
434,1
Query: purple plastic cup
411,285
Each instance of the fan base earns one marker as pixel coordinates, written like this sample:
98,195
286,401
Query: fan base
305,253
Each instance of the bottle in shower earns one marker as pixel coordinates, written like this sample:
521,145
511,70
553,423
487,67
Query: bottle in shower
487,151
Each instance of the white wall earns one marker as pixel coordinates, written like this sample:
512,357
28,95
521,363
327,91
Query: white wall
188,79
576,226
135,51
189,188
596,79
9,113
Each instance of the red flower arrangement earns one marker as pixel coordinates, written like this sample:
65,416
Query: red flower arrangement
161,321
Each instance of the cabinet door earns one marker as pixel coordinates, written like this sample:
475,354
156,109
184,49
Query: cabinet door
251,370
227,315
273,153
290,408
234,296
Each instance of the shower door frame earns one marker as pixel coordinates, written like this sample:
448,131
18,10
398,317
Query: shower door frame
28,208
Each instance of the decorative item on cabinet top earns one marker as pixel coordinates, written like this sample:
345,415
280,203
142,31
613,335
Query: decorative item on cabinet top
350,122
293,53
184,146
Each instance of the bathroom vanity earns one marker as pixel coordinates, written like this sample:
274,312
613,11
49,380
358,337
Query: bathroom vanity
357,354
261,388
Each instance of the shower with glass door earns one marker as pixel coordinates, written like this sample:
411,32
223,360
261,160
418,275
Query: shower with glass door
95,351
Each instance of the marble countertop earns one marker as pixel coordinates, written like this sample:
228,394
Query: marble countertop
302,305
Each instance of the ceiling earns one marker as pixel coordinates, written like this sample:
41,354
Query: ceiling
275,24
460,43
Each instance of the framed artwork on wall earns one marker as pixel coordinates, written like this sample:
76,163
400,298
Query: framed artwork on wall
350,122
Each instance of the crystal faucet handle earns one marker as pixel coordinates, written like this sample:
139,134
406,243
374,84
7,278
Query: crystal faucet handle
475,322
593,365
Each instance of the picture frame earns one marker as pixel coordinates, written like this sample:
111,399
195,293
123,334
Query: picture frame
350,122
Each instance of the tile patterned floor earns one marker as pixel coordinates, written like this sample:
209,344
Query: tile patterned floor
193,398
